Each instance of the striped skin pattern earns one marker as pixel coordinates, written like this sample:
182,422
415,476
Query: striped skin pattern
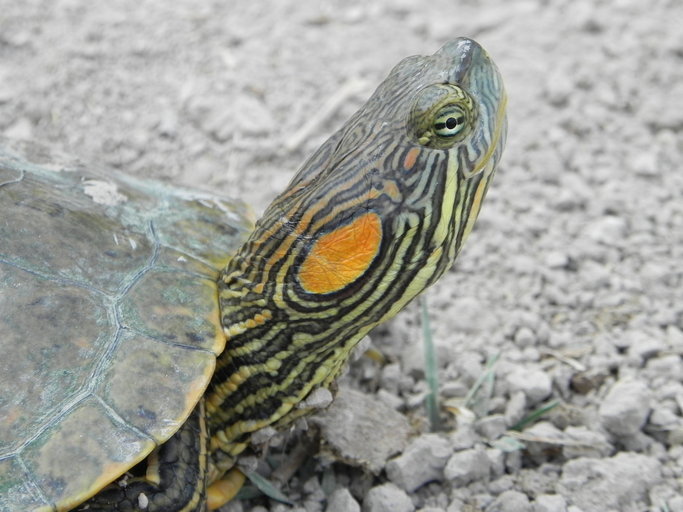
374,217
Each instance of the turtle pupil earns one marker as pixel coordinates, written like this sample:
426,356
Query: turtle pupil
451,123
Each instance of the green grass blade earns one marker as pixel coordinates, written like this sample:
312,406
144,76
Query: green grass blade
267,488
534,415
431,368
486,376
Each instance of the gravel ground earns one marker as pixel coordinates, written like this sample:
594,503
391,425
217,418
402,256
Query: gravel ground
572,278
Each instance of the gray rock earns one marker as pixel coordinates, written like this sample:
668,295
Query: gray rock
537,481
453,389
281,507
502,484
317,399
456,505
463,438
491,427
675,504
515,408
587,443
641,344
533,382
608,230
387,498
235,506
341,500
661,494
524,337
555,260
422,461
314,493
467,466
393,401
596,485
668,367
513,461
625,408
664,417
363,430
675,436
550,503
471,365
510,501
496,461
391,377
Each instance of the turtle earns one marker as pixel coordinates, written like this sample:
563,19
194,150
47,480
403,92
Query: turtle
142,323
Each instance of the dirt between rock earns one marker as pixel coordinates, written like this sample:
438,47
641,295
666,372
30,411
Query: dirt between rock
573,275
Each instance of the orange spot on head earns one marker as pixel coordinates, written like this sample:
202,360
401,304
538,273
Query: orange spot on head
340,257
411,158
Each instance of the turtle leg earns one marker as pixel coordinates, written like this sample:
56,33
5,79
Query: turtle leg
225,489
175,479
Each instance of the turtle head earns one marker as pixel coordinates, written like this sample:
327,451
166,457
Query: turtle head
387,202
371,219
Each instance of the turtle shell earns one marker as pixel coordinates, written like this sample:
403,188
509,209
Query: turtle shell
109,320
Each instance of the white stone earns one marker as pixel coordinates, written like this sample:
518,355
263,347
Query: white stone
341,500
515,408
510,501
491,427
587,443
387,498
550,503
609,484
533,382
467,466
625,408
422,461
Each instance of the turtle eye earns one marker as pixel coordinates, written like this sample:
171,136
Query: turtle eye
442,115
449,121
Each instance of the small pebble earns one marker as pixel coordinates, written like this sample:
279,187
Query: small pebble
341,500
387,498
510,501
533,382
609,484
550,503
362,429
588,443
467,466
422,461
626,407
464,437
491,427
609,229
496,461
515,408
669,367
675,504
501,484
